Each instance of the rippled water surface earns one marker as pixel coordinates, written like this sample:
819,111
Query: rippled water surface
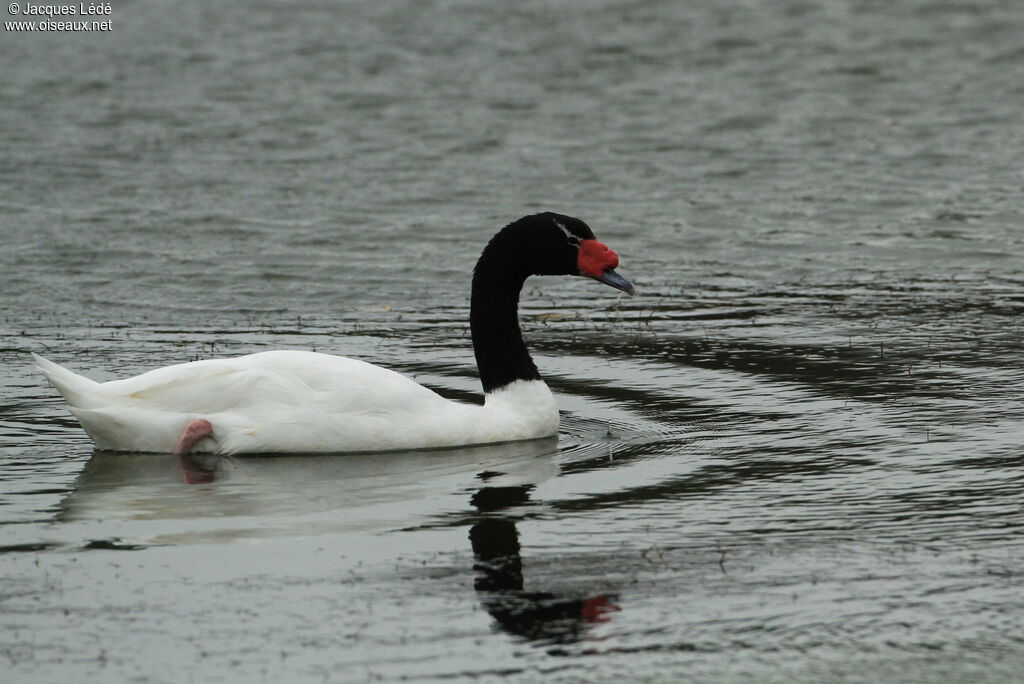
794,456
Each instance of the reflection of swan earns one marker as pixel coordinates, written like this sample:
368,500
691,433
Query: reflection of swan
142,495
536,615
301,402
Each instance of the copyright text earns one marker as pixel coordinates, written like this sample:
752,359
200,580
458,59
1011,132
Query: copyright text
92,14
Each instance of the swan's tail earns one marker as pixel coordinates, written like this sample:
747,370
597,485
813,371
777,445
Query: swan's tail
109,419
78,391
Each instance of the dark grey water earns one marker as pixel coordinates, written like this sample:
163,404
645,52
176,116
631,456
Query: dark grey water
795,456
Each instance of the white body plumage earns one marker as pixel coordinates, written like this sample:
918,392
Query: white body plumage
295,402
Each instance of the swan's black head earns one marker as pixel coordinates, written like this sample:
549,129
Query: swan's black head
555,244
541,244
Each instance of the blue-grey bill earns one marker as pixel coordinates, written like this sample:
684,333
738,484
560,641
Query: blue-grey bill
610,277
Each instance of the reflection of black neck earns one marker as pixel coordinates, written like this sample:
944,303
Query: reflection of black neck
501,355
498,565
495,540
499,576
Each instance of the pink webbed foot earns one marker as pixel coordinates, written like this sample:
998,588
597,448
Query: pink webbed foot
196,430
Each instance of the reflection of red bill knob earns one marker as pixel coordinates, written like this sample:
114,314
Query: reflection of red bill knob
595,609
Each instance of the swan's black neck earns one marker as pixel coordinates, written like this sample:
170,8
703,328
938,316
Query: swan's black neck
501,355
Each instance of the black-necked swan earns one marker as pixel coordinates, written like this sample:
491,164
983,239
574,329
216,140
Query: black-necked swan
299,401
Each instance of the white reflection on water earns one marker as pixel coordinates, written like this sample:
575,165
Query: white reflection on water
158,499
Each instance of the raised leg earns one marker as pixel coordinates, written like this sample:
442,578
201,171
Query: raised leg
196,430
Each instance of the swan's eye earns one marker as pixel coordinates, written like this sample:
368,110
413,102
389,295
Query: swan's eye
570,237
